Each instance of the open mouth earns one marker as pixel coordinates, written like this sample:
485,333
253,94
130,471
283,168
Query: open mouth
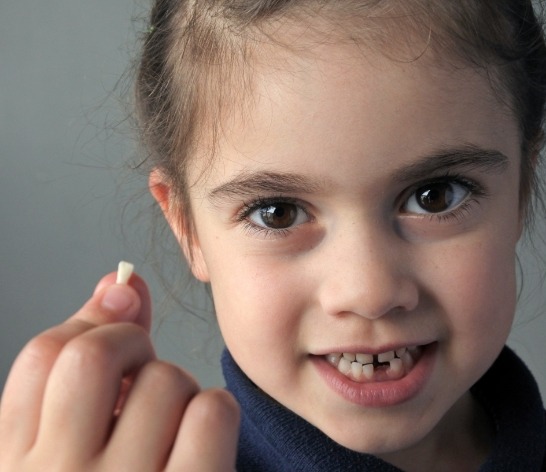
389,365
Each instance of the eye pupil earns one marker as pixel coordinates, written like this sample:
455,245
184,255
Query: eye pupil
279,216
436,197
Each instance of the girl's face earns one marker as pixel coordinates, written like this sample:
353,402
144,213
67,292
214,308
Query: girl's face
365,206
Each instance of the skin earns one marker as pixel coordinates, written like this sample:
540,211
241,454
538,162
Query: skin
64,389
360,269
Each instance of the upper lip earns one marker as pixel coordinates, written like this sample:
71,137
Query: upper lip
353,348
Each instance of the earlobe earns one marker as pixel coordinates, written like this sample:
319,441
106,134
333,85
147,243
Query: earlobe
161,189
197,265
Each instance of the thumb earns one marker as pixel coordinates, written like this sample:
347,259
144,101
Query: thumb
112,302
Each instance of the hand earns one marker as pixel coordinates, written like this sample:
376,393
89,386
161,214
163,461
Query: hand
90,395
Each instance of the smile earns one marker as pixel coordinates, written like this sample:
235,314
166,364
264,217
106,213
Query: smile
389,365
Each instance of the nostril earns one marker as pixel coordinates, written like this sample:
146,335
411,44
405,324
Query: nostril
366,276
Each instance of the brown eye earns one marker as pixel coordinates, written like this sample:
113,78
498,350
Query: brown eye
278,215
436,197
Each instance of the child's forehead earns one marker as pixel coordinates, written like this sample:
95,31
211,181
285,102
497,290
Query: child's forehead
341,106
300,49
339,74
297,65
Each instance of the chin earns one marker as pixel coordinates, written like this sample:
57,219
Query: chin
380,438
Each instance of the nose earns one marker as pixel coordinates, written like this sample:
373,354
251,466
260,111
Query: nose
368,273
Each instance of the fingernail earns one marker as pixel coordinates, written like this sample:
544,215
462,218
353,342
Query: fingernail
119,299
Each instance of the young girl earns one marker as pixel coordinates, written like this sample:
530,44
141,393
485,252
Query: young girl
351,178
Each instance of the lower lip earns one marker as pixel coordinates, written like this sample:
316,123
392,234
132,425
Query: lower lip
379,394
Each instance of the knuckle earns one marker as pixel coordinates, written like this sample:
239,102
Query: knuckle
97,348
88,352
216,405
166,376
43,347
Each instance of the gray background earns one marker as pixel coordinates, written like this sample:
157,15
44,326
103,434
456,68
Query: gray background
64,187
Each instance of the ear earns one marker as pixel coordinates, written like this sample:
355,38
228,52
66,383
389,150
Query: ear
162,190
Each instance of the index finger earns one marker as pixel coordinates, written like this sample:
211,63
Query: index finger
23,394
112,302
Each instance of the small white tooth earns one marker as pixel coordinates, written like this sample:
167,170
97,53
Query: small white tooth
349,356
365,358
407,360
333,358
356,370
125,269
400,352
385,356
396,367
367,371
344,366
414,349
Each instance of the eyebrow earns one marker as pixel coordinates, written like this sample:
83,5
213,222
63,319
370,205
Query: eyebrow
468,157
250,184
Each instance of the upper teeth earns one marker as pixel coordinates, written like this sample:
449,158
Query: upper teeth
361,364
386,356
363,359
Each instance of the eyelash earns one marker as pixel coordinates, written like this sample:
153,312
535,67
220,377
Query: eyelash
260,202
475,189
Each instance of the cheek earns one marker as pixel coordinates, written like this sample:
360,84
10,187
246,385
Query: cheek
481,295
258,304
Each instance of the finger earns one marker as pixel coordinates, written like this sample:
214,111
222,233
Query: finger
207,440
83,387
147,428
22,397
143,317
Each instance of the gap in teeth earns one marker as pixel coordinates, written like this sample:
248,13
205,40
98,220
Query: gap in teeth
360,366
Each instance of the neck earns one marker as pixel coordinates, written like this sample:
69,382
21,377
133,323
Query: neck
465,425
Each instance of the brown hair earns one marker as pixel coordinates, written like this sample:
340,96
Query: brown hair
196,53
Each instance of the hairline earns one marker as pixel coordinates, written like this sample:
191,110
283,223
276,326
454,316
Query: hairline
236,67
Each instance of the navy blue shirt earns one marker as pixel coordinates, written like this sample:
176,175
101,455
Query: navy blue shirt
274,439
